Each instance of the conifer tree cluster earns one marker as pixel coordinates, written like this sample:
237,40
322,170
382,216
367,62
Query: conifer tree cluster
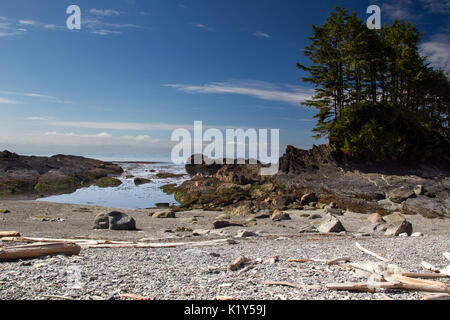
376,95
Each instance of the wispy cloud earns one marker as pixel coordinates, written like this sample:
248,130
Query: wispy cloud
104,12
262,35
400,9
9,28
45,97
437,6
29,23
204,27
438,51
9,101
257,89
102,139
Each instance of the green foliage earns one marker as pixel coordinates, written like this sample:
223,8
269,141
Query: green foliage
359,72
386,131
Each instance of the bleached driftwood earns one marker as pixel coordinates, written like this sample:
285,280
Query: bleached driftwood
325,261
38,250
408,283
446,255
290,284
9,234
424,275
134,297
57,297
163,245
225,298
373,254
436,296
429,266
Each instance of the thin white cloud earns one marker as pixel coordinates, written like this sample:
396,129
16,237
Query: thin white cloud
104,12
400,9
45,97
130,126
262,35
8,101
54,27
257,89
437,6
39,118
102,139
437,50
29,23
105,32
204,27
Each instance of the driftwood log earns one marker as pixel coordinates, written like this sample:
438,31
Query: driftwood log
38,250
9,234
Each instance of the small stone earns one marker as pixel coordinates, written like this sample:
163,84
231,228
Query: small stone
417,234
336,212
419,190
404,234
246,234
219,224
395,217
397,228
315,216
164,215
279,216
200,232
330,224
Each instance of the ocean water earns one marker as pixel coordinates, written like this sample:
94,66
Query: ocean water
127,195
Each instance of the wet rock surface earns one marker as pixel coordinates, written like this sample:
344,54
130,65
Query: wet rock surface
23,176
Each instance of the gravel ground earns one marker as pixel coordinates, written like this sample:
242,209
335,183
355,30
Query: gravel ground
191,273
202,273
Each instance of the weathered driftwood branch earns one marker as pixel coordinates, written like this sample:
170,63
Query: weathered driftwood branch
57,297
429,267
424,275
446,255
325,261
436,296
420,284
9,234
134,297
290,284
225,298
38,250
373,254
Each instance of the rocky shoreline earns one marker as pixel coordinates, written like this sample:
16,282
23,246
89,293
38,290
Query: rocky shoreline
34,177
315,210
315,178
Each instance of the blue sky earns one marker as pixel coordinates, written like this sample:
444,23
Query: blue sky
139,69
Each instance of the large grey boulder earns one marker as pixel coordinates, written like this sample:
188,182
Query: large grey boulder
401,194
114,221
330,224
397,228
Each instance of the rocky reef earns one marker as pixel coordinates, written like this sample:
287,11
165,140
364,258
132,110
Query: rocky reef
31,177
314,179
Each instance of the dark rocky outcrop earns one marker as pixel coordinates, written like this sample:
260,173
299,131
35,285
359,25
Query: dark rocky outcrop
33,176
114,221
310,179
